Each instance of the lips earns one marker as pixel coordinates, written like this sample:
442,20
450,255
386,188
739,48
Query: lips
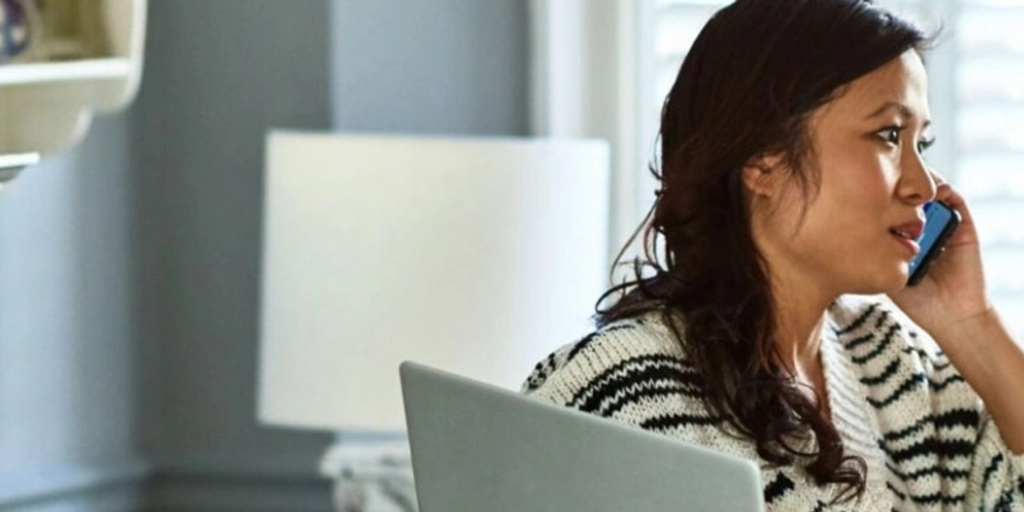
909,230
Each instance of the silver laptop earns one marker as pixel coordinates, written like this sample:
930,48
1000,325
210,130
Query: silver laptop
480,448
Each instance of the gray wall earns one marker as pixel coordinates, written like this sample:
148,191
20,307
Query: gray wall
216,79
68,374
129,267
440,66
217,75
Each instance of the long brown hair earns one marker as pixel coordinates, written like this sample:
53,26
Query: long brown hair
748,86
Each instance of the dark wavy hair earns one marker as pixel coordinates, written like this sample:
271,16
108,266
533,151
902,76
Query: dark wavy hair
748,87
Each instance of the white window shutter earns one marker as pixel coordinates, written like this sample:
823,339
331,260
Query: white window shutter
989,141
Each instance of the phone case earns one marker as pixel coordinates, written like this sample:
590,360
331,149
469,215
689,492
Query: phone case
936,249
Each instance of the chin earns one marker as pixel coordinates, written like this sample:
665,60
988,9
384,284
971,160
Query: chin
892,280
895,282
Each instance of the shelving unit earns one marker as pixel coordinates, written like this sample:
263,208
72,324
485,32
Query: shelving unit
11,165
73,71
47,107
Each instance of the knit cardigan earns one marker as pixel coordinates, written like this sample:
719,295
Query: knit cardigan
895,398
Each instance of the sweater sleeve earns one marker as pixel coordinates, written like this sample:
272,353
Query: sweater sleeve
623,373
996,480
997,474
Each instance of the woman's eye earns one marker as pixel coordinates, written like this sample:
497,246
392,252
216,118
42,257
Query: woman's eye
923,145
891,134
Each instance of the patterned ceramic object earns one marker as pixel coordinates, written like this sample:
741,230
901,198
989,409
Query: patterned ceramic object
19,29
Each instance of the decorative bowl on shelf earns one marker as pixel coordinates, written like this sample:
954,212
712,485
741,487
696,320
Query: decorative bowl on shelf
20,30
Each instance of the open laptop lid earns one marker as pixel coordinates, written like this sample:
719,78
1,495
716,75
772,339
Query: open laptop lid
480,448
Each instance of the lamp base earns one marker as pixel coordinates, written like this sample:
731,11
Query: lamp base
371,476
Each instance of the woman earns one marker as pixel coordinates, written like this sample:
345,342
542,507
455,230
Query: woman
792,184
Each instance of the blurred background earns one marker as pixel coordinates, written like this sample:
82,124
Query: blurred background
129,265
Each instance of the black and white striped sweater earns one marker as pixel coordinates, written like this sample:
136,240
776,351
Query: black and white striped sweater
895,398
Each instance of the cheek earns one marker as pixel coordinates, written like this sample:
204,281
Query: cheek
847,216
845,239
843,224
854,199
860,175
850,253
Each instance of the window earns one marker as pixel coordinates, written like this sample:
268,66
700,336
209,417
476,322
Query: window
976,83
989,80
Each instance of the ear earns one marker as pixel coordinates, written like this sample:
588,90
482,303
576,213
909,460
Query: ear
762,175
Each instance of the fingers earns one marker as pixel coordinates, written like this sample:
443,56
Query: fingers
966,234
945,192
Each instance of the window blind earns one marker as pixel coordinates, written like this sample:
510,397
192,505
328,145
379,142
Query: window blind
990,141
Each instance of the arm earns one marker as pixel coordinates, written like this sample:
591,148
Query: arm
985,354
965,430
952,305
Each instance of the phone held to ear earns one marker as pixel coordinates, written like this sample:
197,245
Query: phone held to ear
940,223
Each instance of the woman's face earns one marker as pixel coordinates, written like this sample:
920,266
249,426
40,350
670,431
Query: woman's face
852,237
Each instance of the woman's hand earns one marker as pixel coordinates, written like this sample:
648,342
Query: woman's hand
953,291
952,305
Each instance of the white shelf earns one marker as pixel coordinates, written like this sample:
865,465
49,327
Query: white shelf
70,71
20,160
47,107
11,165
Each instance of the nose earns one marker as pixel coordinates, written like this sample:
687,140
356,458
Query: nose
917,182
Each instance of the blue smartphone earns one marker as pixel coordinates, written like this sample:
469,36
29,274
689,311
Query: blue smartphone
940,223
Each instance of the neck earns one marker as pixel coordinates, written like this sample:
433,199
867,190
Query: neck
801,294
799,304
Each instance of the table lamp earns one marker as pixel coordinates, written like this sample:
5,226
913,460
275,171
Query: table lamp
478,256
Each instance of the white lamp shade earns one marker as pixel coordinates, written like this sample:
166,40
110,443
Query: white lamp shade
477,256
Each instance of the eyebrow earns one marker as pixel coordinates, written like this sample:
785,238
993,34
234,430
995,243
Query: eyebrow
904,110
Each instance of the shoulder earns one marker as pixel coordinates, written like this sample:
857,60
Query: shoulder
628,369
872,326
897,361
